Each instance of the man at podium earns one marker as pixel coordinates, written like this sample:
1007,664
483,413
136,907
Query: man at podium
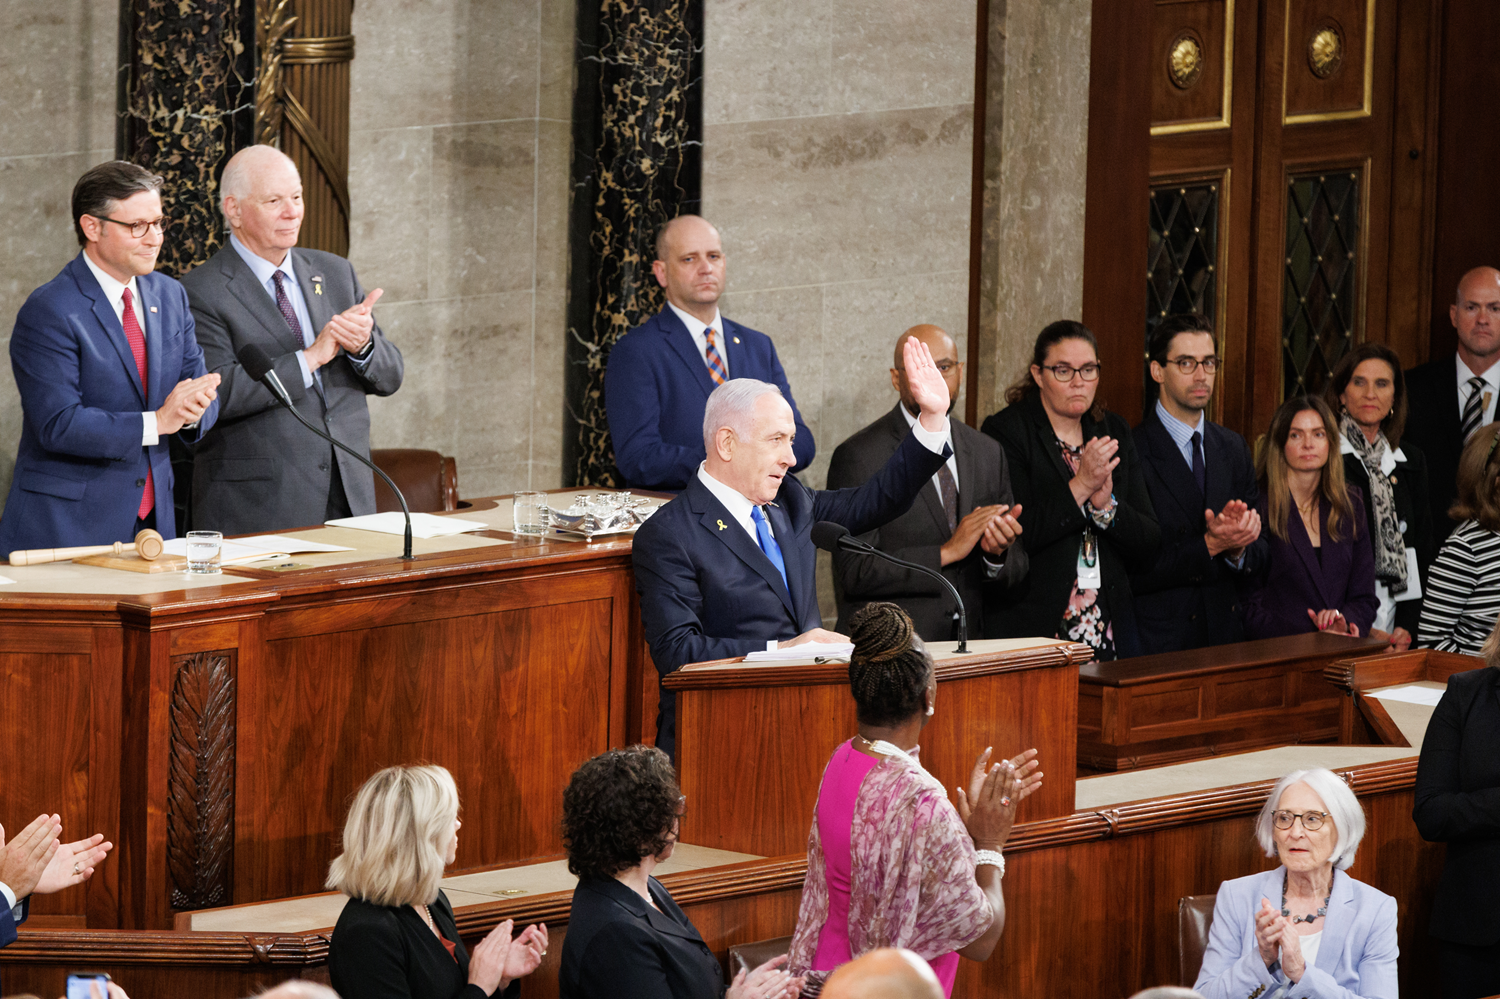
728,565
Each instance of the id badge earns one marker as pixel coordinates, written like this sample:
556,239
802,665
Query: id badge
1089,577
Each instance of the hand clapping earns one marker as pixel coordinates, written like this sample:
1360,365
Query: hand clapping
988,807
1277,939
766,982
1233,530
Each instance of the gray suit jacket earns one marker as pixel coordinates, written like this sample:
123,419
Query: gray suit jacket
259,469
918,534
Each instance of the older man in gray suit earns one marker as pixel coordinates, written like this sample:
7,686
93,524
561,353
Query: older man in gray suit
259,469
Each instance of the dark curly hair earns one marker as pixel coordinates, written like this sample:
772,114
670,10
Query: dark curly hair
618,808
888,669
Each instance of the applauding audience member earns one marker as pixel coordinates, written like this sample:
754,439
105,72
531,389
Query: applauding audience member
1305,928
1190,597
1085,511
1368,391
1320,575
34,862
890,862
1463,584
396,938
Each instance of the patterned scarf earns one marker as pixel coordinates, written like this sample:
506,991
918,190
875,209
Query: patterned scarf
1390,547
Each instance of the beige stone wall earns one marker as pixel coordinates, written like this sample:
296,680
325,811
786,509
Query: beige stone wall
459,158
57,100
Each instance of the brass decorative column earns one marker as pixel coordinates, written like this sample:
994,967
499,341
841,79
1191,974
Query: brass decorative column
637,136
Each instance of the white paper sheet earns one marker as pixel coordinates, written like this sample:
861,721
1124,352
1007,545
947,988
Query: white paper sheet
423,525
808,650
5,579
289,545
229,551
1411,694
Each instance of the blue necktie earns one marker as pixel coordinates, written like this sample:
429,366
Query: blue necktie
768,544
1200,474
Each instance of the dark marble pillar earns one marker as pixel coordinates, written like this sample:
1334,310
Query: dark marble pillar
637,135
186,103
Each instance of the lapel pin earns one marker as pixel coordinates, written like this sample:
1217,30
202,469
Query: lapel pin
153,308
721,526
736,339
317,284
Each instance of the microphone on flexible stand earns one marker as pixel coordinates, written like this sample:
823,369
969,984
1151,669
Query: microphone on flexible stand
258,365
830,536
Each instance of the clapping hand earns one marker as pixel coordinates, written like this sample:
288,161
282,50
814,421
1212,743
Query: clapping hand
73,864
1096,467
1232,530
1277,939
526,953
988,806
1002,530
766,982
352,328
24,859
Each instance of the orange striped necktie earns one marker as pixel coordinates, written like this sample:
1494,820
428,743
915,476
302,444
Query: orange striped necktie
716,369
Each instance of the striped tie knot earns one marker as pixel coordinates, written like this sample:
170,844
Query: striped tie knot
1474,408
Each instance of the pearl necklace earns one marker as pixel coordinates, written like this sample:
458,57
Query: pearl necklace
1322,909
883,748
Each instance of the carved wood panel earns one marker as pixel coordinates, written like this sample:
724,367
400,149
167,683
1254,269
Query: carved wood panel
1192,52
200,780
1328,71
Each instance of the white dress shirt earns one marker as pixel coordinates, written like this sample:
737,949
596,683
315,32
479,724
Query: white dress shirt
1491,388
952,462
695,328
115,292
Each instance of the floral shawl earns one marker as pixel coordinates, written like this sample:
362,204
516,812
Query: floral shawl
912,873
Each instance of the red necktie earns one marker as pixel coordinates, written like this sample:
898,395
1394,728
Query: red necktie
138,350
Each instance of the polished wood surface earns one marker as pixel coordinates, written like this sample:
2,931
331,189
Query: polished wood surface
1168,708
1364,719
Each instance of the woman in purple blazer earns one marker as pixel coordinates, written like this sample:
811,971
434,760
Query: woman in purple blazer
1320,575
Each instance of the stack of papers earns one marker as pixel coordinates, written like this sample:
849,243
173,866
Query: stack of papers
241,551
1411,694
423,525
807,650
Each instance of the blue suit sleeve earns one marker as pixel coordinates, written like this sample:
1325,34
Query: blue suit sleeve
887,494
1231,969
9,922
632,405
1376,967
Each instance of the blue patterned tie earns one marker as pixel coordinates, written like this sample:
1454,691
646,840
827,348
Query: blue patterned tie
768,544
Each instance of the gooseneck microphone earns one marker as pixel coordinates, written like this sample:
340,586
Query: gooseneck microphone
258,365
830,536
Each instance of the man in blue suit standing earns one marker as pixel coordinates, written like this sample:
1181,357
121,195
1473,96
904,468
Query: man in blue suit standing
108,367
727,566
660,374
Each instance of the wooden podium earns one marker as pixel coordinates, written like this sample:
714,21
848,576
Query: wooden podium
752,738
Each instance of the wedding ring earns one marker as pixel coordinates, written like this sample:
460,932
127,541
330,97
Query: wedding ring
76,869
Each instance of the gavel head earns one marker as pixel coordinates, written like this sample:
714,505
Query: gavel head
148,545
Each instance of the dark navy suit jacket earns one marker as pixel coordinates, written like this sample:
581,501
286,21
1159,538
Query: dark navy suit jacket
709,592
618,947
8,921
655,389
80,467
1296,579
1434,424
1188,600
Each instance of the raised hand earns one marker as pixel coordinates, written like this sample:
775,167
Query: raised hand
928,388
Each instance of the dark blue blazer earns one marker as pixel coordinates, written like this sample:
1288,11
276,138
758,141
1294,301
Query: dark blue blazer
80,467
618,947
656,386
8,922
709,592
1188,600
1294,578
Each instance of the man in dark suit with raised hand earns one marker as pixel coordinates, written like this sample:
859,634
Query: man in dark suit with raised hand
1189,599
962,524
727,566
660,374
1450,397
261,470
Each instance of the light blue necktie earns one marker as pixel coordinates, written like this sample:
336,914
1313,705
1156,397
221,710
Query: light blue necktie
768,544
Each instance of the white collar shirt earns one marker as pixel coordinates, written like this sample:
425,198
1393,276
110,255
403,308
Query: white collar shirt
736,502
1491,388
1388,458
1181,433
695,328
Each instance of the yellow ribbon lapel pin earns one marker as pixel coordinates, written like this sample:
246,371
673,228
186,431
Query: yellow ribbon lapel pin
721,526
317,284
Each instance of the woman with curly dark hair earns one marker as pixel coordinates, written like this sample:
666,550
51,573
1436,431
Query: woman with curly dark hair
890,862
626,938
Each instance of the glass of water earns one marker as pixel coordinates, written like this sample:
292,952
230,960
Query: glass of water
203,551
530,513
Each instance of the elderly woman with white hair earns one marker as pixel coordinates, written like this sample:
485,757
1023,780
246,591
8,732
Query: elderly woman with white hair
1305,929
396,938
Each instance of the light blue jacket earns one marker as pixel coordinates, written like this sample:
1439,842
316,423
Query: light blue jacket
1356,959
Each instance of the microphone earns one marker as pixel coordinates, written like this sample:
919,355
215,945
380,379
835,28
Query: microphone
257,364
830,536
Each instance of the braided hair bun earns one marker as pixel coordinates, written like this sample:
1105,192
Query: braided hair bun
889,669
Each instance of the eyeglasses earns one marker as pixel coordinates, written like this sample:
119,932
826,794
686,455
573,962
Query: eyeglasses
138,229
1187,365
1311,821
1065,372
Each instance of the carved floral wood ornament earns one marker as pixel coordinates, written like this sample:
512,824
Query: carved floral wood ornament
1185,60
1325,50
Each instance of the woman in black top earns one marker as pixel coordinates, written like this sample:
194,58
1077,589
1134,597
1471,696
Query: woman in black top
626,938
396,938
1086,517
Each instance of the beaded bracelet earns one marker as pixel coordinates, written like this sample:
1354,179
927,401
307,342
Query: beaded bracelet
991,857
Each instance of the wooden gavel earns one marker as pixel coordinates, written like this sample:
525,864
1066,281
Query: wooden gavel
147,544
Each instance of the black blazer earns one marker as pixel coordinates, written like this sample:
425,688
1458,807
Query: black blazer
918,534
388,952
1458,802
618,947
1410,490
1053,524
1188,600
1432,423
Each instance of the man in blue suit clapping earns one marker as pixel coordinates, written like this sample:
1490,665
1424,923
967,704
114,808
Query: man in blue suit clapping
108,368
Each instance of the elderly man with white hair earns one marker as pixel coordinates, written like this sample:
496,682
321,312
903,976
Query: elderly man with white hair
1305,929
728,565
259,469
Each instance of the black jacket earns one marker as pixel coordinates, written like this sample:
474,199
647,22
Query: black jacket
1433,421
1053,525
1189,600
618,947
388,952
1458,803
1410,490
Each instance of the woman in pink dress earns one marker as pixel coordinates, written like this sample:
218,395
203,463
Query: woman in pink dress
890,861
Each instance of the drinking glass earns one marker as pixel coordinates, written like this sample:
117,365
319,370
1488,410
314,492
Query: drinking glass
203,551
530,513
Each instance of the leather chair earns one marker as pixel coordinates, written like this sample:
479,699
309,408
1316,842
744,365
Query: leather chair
754,954
427,479
1195,913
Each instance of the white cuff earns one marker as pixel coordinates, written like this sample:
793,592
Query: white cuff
10,896
307,374
149,436
932,441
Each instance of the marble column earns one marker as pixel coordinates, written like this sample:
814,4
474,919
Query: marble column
186,103
636,140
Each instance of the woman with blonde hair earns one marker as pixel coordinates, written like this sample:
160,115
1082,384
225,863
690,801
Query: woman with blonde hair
1463,583
396,938
1320,575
